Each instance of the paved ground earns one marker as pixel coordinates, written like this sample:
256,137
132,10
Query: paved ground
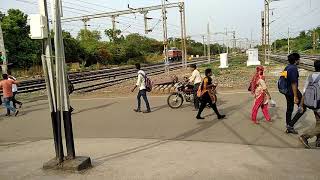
166,144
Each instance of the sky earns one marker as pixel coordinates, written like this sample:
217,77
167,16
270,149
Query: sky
242,16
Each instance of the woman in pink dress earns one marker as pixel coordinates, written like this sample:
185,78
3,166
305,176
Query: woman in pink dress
261,94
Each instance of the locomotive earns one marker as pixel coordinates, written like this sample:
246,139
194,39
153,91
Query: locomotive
174,54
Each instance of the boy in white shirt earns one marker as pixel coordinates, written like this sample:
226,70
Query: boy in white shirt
141,84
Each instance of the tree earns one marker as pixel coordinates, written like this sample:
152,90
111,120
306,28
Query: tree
74,52
114,35
90,42
22,51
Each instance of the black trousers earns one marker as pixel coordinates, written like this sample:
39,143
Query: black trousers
290,107
196,100
204,100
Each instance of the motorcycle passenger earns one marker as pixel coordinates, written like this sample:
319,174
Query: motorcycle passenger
207,96
196,80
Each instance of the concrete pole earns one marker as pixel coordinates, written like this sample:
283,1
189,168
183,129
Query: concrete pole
85,25
234,40
262,29
145,18
3,54
288,40
185,34
264,35
251,39
268,31
182,35
204,46
113,26
314,39
165,35
208,42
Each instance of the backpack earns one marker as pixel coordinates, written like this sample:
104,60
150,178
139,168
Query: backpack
312,93
148,83
283,84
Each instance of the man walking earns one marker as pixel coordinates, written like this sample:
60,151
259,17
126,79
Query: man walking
6,85
196,80
14,91
313,78
294,95
141,84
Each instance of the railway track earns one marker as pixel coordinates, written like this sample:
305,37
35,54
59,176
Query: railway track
306,61
87,81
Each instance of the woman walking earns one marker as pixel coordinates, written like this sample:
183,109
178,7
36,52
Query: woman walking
261,94
207,96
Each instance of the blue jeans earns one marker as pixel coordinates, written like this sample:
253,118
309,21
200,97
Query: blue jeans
143,93
7,104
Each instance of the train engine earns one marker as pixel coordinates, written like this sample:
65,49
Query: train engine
174,54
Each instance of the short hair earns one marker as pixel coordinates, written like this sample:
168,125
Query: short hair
5,76
194,66
138,66
207,71
317,65
292,58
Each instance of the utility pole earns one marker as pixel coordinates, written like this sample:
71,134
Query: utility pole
146,18
227,45
267,30
208,42
184,60
47,64
204,46
314,40
262,29
113,26
251,39
185,34
234,40
85,24
288,40
165,35
3,53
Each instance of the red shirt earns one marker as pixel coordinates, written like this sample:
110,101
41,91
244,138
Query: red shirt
7,87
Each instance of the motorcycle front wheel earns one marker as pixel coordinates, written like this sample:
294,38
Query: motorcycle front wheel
175,100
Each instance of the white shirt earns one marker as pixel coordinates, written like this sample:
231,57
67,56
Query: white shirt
141,84
314,77
14,86
195,77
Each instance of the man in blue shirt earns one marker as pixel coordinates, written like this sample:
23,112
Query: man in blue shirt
294,96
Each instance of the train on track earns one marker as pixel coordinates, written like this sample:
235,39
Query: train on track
174,55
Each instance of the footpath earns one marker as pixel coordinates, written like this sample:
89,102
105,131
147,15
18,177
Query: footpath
165,144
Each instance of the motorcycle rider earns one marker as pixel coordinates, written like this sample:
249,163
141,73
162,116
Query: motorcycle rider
196,79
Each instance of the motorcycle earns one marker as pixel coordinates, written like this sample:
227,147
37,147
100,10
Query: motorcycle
184,92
